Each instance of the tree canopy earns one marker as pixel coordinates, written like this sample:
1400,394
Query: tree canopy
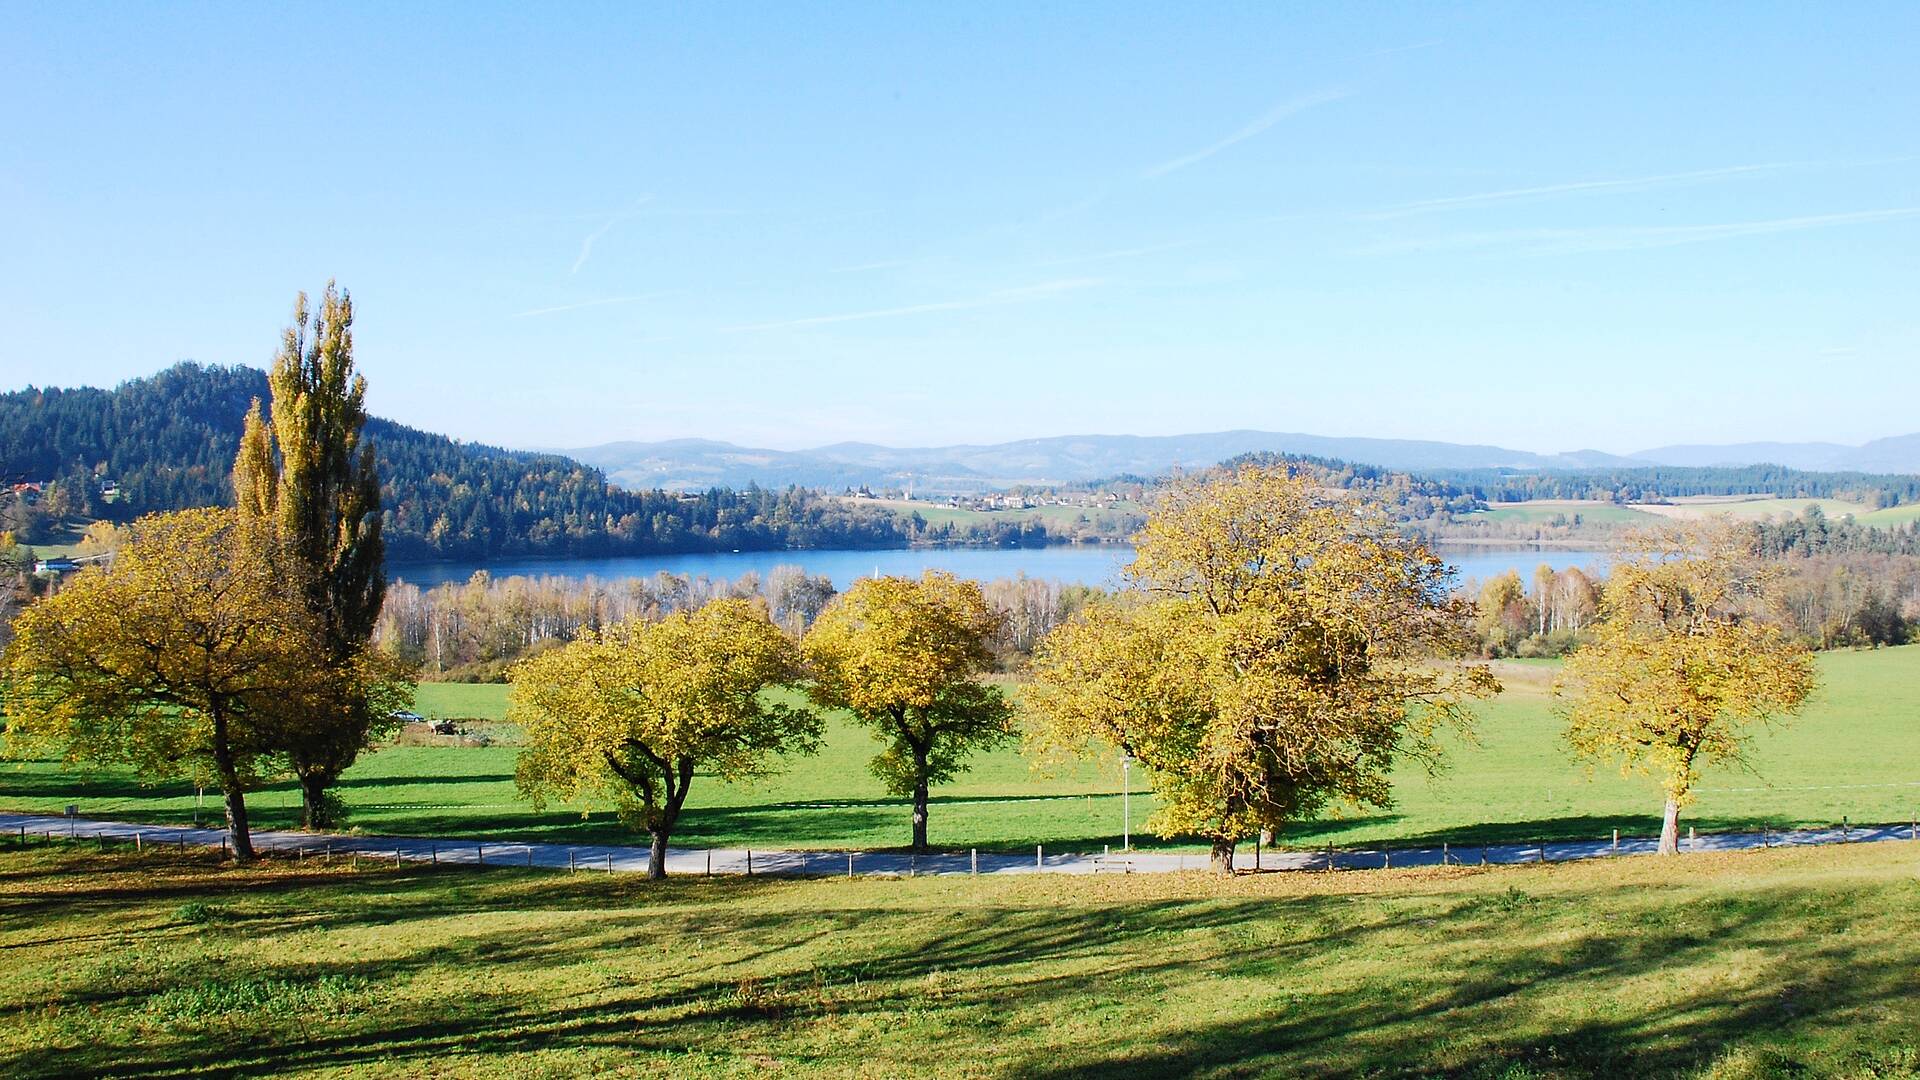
188,655
1684,668
906,657
633,712
1281,647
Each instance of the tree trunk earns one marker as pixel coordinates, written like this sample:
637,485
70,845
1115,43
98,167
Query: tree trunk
224,764
1221,861
1670,828
237,824
920,809
315,813
657,854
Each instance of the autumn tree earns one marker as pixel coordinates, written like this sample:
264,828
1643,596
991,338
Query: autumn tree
1280,648
633,712
184,656
1684,668
310,475
906,657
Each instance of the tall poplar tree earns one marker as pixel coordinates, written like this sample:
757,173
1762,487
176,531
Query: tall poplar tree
311,474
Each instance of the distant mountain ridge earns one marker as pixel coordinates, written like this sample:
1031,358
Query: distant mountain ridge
692,464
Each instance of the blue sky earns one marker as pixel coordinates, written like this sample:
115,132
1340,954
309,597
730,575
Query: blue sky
1535,225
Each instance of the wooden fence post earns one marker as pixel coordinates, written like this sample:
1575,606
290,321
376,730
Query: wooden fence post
849,866
1039,857
973,855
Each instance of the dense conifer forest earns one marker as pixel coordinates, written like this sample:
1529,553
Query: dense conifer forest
167,442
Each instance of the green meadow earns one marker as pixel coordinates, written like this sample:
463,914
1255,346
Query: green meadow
1544,511
1052,516
1755,509
1751,966
1892,515
1852,754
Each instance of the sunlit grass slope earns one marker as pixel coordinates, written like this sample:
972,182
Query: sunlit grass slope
1764,964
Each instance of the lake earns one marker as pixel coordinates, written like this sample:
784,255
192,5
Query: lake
1081,564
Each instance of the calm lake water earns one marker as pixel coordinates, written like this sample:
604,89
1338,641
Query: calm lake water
1082,564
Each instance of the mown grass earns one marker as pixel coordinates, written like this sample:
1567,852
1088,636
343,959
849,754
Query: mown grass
1701,507
1892,515
1053,516
1852,754
1763,964
1543,511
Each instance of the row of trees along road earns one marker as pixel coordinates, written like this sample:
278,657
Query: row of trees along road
231,646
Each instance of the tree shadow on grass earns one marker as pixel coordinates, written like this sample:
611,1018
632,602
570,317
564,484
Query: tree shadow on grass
1508,998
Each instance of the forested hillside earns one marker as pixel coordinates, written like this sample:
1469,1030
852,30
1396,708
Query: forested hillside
168,442
1655,483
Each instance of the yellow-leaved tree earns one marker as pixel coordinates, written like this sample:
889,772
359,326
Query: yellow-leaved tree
1684,667
1281,647
905,657
633,712
187,655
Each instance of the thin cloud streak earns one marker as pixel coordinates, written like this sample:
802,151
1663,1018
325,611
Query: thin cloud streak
591,303
586,245
883,264
1123,253
993,299
1637,183
1275,115
1631,237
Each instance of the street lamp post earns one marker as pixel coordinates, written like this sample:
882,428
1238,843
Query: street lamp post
1126,803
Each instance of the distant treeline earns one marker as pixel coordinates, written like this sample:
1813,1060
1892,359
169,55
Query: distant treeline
473,631
1814,533
1669,482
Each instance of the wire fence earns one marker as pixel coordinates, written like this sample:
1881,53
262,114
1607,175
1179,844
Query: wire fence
26,830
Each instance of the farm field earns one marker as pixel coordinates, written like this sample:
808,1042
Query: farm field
1892,515
1762,964
936,514
1747,509
1545,511
1852,754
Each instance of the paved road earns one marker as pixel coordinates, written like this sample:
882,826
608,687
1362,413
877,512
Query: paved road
616,859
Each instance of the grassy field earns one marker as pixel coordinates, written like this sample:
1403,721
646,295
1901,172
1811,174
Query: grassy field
936,514
1853,753
1758,965
1892,515
1746,509
1544,511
